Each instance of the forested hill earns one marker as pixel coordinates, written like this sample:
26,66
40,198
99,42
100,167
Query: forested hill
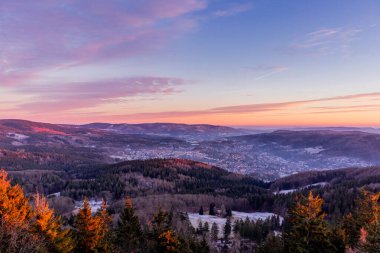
185,188
141,178
354,177
186,180
339,188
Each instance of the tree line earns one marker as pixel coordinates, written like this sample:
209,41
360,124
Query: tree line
30,225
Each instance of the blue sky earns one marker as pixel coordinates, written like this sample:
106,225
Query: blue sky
248,62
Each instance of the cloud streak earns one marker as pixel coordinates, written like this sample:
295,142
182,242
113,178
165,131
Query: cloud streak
264,71
76,95
35,36
264,107
326,41
233,10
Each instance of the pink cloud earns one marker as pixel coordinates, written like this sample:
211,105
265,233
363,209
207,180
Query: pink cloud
257,108
36,36
75,95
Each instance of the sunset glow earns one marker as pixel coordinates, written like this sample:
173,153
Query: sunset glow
236,63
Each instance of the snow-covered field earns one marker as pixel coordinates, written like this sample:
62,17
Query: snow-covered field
94,204
321,184
195,218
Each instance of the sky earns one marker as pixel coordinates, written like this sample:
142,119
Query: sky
235,63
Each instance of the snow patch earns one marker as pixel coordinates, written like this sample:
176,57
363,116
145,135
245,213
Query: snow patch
314,150
321,184
16,136
94,205
195,218
55,195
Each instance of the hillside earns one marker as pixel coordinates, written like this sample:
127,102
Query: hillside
356,177
189,132
31,145
185,187
142,177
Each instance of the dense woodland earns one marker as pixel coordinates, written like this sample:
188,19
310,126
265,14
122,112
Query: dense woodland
186,185
342,215
30,225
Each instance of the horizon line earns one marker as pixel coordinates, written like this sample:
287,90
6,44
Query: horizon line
190,124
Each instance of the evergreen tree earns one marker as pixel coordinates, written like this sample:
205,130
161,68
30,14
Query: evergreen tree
214,231
227,228
272,244
161,222
228,212
128,233
306,229
168,242
50,226
201,212
212,209
104,220
204,248
370,241
351,230
165,239
15,220
206,227
14,208
89,230
200,227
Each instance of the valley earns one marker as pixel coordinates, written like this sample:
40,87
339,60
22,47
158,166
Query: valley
266,155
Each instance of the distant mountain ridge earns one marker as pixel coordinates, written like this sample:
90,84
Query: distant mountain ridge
203,131
270,155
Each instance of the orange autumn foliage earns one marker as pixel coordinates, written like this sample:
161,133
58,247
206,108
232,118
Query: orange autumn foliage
14,208
45,220
312,207
91,229
169,242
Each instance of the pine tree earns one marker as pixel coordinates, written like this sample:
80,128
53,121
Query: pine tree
14,208
228,212
214,231
204,248
351,230
206,227
89,229
168,242
227,228
212,209
104,219
200,228
161,222
15,220
272,244
165,239
50,226
128,233
370,206
306,229
371,241
201,212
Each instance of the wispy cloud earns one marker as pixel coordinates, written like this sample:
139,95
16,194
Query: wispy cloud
264,71
326,41
265,108
233,9
76,95
36,36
